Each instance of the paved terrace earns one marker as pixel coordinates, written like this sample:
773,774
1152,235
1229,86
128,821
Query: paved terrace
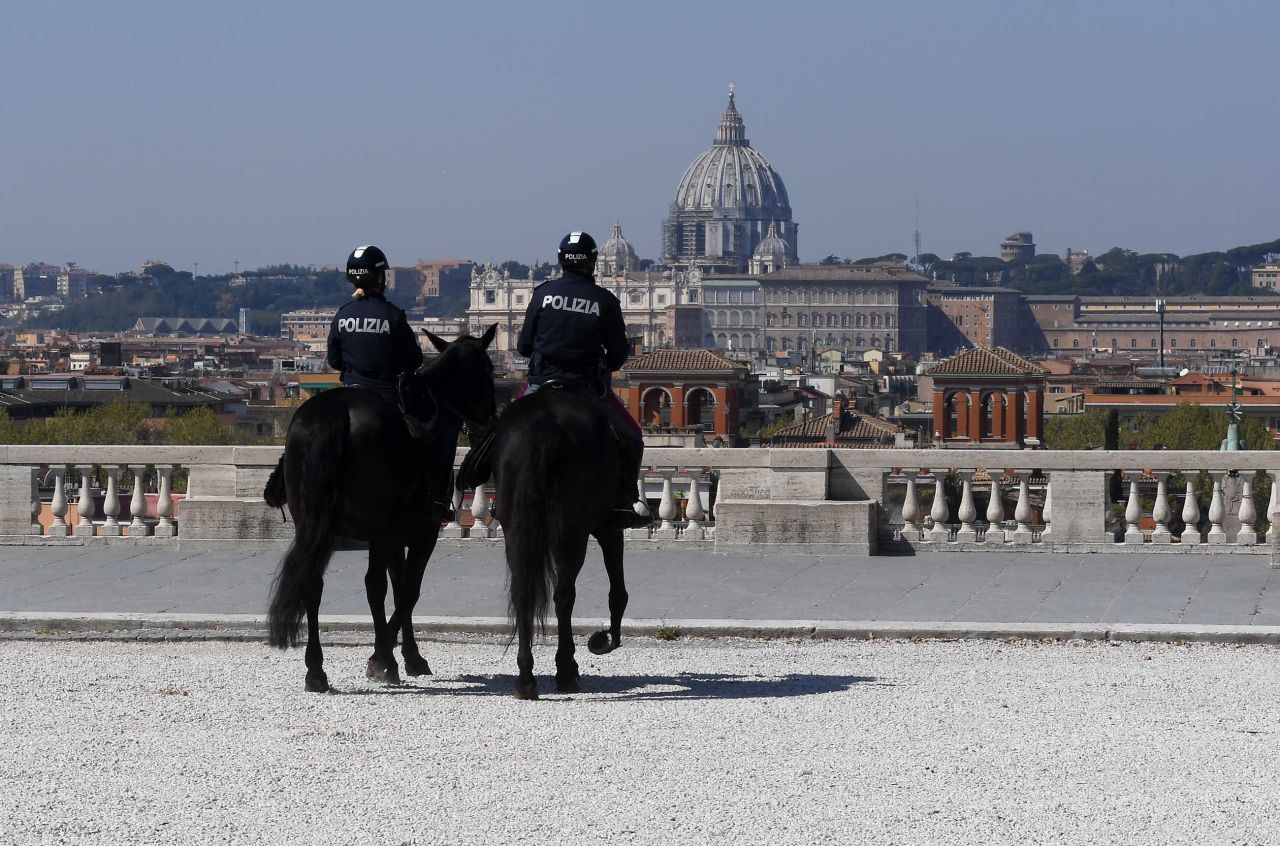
467,581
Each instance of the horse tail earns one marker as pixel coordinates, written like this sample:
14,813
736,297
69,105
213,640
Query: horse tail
316,515
532,531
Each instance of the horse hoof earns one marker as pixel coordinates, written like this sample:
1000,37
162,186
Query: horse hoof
317,683
600,643
416,665
568,684
384,674
527,690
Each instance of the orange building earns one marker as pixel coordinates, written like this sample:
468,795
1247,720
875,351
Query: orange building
679,389
989,398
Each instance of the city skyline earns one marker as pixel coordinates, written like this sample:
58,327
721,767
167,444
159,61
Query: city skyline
288,134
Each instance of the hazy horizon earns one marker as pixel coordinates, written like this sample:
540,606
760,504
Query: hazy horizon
283,132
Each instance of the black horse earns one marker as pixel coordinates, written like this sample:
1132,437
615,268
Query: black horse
355,467
556,466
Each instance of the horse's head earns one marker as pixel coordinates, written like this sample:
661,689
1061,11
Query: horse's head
466,387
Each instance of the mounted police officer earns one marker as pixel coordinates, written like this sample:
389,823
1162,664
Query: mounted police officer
373,347
573,332
370,342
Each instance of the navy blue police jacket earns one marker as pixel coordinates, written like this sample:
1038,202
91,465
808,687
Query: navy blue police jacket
371,344
571,327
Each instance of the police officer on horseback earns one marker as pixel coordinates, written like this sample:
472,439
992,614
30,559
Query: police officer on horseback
373,347
370,342
574,333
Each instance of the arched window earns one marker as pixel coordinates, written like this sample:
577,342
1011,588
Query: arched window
1133,343
844,320
1173,343
1213,342
888,321
800,319
1235,342
722,340
735,318
875,321
1075,343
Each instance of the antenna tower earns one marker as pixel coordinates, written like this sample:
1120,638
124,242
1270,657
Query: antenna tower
917,234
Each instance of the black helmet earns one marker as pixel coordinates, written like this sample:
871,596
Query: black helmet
578,252
367,263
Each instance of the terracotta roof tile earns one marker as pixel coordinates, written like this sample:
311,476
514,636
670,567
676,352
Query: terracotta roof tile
682,360
988,361
854,427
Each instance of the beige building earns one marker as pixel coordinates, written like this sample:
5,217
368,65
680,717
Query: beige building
854,308
1266,276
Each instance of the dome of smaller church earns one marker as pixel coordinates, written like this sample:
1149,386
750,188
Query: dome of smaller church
616,255
771,253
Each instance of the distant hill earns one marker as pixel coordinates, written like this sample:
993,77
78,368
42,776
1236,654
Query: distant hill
1117,272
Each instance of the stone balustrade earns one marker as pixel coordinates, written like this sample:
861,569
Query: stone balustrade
887,500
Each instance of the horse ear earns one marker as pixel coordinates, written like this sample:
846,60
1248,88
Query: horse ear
436,341
487,338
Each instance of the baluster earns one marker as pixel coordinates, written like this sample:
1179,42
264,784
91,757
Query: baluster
1248,534
1161,512
495,525
138,527
1273,503
479,510
1190,510
84,507
111,502
667,507
911,510
1022,511
1133,510
35,528
58,528
453,529
693,509
995,510
641,507
968,511
1217,510
939,513
165,527
1046,512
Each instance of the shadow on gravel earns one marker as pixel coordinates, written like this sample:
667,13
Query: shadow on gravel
687,686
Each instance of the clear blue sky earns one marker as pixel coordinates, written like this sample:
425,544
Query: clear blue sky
293,131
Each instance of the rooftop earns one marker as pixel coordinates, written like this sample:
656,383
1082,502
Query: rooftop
988,361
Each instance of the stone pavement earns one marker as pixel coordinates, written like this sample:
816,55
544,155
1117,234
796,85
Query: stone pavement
464,581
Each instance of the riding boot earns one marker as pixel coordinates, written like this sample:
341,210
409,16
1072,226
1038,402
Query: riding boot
477,467
626,514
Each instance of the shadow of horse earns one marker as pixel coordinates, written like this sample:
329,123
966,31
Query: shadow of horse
640,688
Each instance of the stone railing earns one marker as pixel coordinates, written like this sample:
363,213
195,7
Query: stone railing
887,500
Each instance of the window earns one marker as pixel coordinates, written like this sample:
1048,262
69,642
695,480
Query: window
519,299
1173,343
1055,343
1114,345
1133,343
693,296
1153,343
662,299
800,320
490,297
636,298
1213,342
1235,342
1075,343
1193,343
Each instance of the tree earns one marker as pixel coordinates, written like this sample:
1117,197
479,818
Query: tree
198,426
831,259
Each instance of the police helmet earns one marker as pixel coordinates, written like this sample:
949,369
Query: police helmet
578,252
367,267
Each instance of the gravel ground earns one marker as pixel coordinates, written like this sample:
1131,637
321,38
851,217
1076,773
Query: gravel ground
727,741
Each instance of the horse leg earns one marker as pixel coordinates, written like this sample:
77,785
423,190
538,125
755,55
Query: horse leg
382,665
526,683
408,590
569,563
602,642
317,681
